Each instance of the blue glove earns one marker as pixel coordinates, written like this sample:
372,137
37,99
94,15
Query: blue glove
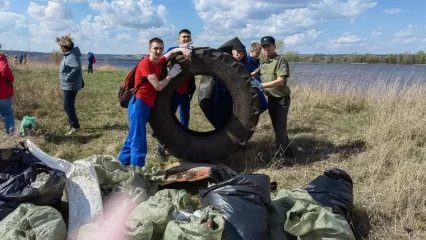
256,84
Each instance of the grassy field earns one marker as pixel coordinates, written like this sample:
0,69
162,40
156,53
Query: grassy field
378,138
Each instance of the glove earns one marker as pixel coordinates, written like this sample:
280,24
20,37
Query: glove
175,70
256,84
186,45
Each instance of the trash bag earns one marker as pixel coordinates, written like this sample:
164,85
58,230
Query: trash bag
140,183
28,123
24,179
158,210
301,216
244,202
207,226
333,189
31,222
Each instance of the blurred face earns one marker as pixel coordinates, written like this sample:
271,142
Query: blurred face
268,49
184,38
155,51
255,53
63,49
238,54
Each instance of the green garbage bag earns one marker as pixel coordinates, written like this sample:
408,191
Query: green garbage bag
31,222
28,123
306,219
208,226
159,210
140,183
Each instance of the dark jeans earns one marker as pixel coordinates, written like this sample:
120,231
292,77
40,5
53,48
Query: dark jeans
69,107
278,111
90,68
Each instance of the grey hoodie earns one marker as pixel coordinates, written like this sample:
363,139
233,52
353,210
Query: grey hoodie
70,70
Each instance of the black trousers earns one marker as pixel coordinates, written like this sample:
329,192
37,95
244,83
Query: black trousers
69,107
90,68
278,111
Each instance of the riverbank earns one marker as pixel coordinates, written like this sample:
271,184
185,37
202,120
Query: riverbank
379,138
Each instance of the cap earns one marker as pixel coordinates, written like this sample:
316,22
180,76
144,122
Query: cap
239,46
267,40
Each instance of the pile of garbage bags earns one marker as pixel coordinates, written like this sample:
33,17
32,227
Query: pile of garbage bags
43,197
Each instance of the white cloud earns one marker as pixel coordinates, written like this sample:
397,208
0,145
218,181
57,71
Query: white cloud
392,10
4,4
376,33
406,33
225,19
307,37
348,39
404,40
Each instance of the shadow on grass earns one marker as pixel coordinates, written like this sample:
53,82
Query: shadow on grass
304,150
361,222
120,127
58,139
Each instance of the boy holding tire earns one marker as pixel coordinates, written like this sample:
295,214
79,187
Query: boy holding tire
184,92
135,147
274,73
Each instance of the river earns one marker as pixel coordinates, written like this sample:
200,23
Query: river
346,74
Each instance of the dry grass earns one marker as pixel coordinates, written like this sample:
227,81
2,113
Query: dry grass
377,136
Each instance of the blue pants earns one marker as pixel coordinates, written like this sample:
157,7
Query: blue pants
182,102
6,112
223,107
135,147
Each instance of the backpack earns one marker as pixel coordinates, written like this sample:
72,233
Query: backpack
128,89
94,59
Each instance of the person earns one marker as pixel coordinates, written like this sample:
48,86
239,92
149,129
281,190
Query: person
21,57
183,95
135,147
71,79
274,73
6,95
254,57
90,59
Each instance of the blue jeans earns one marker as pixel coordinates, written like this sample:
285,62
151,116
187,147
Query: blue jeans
6,112
135,147
182,102
69,107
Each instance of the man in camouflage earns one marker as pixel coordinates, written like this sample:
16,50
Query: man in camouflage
274,72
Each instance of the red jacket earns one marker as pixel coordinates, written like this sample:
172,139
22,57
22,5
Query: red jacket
6,79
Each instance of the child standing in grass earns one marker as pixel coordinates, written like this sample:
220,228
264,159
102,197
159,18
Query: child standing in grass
6,94
71,79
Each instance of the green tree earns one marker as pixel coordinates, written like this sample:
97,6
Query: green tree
420,57
279,44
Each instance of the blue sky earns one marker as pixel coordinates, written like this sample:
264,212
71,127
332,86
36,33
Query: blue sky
306,26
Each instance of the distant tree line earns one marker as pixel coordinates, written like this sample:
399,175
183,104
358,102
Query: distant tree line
401,58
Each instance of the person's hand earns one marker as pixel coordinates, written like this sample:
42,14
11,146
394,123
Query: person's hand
186,45
175,70
256,84
187,53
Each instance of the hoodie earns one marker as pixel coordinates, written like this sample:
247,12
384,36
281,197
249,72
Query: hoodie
6,78
70,72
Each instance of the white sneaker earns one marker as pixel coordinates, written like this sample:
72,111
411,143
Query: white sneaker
72,131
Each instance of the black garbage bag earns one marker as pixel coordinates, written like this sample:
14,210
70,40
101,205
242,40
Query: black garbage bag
333,189
244,202
25,179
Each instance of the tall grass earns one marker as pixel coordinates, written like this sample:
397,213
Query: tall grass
377,136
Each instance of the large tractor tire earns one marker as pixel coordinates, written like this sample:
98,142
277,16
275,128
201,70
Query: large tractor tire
207,146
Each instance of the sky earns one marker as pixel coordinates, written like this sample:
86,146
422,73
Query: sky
305,26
